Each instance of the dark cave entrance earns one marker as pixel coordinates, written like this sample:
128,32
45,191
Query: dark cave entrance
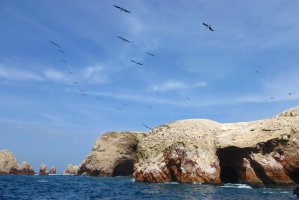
295,176
229,175
125,168
230,159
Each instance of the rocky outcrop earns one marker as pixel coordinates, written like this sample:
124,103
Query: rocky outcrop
9,165
113,154
71,169
22,169
52,170
263,152
43,170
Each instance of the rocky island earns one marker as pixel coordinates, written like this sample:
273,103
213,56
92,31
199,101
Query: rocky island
9,165
263,152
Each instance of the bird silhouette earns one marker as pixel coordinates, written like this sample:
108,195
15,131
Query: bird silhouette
124,39
55,44
121,9
149,106
146,126
137,63
208,26
150,54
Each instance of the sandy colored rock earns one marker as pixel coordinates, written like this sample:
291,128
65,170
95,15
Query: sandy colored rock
43,169
71,169
113,154
7,161
52,170
263,152
22,169
9,165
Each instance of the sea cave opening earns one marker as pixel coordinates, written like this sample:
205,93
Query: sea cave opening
294,175
229,160
125,168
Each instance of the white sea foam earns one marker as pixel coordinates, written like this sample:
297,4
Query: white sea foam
42,181
242,186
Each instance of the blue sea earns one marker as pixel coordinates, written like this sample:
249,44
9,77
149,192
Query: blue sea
82,187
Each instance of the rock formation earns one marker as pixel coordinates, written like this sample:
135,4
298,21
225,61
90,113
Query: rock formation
9,164
263,152
71,169
43,169
113,154
52,170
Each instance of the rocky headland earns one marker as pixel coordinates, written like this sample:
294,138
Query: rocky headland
9,165
263,152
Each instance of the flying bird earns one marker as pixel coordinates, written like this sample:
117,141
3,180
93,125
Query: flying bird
55,44
75,82
150,54
61,51
208,26
146,126
272,98
137,63
257,72
149,106
121,9
188,98
83,94
291,93
82,90
124,39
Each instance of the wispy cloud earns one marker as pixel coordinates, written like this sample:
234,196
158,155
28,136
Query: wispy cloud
56,76
95,74
17,74
175,85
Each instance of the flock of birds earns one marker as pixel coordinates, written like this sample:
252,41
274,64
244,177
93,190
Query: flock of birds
83,91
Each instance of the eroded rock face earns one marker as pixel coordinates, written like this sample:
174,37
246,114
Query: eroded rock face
7,161
182,151
9,165
52,170
43,169
262,152
22,169
113,154
71,169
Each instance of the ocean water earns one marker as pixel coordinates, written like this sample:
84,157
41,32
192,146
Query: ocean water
80,187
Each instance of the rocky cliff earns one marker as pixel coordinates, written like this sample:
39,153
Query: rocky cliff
264,152
9,164
259,153
113,154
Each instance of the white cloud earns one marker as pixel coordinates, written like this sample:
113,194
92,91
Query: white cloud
95,74
175,85
17,74
56,76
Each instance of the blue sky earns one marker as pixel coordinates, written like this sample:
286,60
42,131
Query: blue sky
195,73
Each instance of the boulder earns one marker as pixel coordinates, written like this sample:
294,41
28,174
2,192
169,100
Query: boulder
9,165
43,169
113,154
52,170
71,169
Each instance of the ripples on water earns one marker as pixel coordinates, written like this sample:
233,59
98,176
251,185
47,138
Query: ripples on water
76,187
